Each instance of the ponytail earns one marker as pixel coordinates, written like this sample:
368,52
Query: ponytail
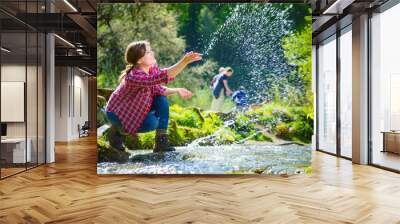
134,51
124,72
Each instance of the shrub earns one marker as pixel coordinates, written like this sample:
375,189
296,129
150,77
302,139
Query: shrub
282,131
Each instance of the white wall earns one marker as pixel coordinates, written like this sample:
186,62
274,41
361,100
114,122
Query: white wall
70,83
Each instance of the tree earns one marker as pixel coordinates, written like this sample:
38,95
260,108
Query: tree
298,53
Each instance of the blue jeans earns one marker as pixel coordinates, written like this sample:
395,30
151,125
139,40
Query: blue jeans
157,118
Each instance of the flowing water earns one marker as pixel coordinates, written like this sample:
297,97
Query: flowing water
257,158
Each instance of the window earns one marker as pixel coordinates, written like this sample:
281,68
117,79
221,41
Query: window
346,92
385,88
327,95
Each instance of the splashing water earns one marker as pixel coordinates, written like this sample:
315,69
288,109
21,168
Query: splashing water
256,32
211,138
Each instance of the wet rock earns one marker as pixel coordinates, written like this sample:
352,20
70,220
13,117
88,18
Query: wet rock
109,154
155,157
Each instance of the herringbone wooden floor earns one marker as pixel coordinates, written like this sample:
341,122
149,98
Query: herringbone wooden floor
70,191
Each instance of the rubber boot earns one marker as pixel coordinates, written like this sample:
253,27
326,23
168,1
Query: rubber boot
162,144
115,138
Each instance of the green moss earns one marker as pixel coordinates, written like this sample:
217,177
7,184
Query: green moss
282,131
146,140
262,137
301,130
188,117
227,136
109,154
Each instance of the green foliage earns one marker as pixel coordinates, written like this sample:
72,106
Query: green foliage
188,118
298,48
301,130
282,131
100,113
176,135
289,123
104,92
227,136
262,137
146,140
243,125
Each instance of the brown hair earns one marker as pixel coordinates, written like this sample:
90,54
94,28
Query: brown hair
229,69
133,52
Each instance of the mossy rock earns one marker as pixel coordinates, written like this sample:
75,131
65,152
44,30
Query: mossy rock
101,102
106,153
153,157
283,115
301,130
192,134
282,131
243,125
227,136
259,170
105,92
262,137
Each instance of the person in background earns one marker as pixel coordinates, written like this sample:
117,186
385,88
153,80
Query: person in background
220,89
240,99
221,71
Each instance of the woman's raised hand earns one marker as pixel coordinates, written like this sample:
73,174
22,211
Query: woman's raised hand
184,93
192,57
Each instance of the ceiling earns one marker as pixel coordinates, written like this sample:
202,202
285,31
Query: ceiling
74,22
329,15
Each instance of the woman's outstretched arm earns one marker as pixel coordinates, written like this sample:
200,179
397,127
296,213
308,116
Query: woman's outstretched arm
181,64
182,92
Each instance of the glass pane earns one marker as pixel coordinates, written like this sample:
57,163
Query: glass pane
41,99
13,72
346,93
327,96
31,100
386,89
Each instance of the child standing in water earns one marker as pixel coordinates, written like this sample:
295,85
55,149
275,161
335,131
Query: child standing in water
139,103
